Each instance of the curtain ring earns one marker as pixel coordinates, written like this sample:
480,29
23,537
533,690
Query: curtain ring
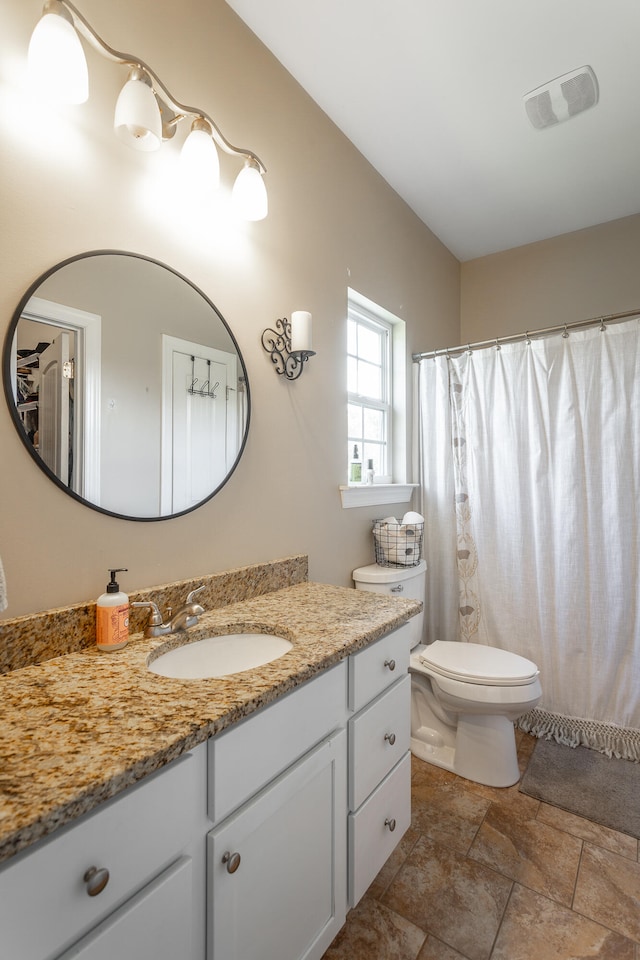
566,332
603,325
469,350
528,338
498,347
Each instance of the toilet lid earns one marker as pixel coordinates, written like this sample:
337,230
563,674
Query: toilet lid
477,663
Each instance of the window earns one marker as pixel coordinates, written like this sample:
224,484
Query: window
370,389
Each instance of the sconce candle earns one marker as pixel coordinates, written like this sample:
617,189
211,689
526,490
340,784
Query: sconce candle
301,331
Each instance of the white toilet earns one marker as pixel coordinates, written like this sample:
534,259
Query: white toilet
465,697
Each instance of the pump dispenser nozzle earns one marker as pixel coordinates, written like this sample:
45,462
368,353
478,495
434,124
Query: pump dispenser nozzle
113,586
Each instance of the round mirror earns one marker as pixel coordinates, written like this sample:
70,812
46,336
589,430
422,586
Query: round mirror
126,385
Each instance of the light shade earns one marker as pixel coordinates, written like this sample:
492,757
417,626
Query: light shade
199,159
137,119
56,60
249,194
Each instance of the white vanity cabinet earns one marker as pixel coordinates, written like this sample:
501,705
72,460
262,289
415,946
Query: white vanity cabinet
250,847
277,865
144,899
379,762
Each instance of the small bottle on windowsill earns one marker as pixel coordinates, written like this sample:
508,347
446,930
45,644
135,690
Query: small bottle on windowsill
355,467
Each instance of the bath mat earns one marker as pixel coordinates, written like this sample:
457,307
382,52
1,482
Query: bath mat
586,783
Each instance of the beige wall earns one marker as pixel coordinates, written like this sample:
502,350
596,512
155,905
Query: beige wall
67,185
573,277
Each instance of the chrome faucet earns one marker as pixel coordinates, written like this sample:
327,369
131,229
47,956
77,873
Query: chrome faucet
185,617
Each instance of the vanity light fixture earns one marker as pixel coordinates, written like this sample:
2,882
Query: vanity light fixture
290,344
137,120
146,112
56,59
199,158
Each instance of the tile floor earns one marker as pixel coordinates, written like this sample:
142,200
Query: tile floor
489,874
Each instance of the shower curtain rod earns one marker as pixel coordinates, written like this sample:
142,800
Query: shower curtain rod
528,335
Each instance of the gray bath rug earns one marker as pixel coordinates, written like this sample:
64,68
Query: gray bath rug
587,783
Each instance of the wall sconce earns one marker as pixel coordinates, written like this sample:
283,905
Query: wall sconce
146,112
290,344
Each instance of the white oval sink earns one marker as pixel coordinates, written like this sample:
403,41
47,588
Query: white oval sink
220,656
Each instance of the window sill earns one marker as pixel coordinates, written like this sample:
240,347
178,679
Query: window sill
375,494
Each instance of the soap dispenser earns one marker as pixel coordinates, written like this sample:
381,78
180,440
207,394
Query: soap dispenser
112,616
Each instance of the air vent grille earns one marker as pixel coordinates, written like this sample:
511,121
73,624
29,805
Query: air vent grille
562,98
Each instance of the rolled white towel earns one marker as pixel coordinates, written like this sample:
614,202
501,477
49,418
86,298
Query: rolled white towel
412,517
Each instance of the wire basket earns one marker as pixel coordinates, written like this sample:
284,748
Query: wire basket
398,544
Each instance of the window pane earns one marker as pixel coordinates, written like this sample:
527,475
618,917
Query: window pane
354,415
352,337
373,424
369,345
369,380
374,452
352,375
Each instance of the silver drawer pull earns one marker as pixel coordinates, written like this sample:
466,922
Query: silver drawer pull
391,737
391,664
96,880
232,861
398,589
391,823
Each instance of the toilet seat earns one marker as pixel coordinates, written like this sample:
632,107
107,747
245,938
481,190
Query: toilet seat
476,663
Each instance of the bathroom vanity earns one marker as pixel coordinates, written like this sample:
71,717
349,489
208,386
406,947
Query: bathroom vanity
248,813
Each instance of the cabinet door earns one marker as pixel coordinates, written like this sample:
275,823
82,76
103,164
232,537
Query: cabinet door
277,870
154,925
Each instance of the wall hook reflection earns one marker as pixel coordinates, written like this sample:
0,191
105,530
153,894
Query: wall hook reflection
205,390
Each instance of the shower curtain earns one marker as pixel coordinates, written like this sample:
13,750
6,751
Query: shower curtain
529,458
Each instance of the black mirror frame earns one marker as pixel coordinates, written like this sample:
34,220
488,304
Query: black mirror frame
11,403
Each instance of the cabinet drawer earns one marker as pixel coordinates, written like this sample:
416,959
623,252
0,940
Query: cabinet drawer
378,666
155,923
245,758
44,905
371,839
378,737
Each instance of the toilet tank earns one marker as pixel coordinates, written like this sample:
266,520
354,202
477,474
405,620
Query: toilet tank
396,582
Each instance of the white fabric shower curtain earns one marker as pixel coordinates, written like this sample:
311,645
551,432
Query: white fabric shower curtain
529,457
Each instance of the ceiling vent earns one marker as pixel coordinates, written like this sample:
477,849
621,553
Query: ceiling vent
562,98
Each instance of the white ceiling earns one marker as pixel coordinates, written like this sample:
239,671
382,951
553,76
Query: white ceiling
431,92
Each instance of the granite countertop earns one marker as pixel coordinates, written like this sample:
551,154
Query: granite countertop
79,728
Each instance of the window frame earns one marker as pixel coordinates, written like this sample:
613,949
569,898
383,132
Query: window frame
373,320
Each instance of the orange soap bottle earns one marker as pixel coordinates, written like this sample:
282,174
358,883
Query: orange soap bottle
112,616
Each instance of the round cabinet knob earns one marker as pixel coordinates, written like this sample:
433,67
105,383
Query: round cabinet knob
391,823
391,737
391,664
232,861
96,879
